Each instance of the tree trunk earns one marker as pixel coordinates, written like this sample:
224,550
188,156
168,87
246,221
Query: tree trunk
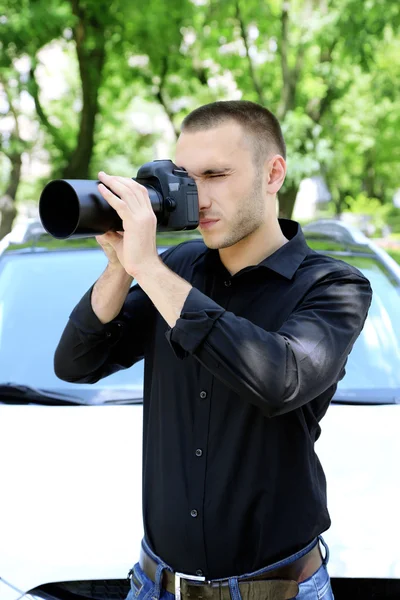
369,179
89,39
253,77
7,200
287,198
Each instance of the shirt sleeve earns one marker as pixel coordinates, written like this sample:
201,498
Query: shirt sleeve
90,350
278,371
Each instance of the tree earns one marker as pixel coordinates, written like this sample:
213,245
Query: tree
12,146
89,27
327,68
299,58
19,38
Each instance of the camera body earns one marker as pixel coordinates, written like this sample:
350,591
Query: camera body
178,191
75,207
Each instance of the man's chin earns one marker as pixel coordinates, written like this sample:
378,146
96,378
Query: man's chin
217,240
209,242
214,242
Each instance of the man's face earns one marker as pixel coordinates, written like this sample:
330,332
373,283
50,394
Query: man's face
231,200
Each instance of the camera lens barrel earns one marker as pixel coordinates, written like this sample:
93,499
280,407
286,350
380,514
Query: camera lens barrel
75,207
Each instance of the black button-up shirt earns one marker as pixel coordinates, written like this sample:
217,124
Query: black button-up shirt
233,396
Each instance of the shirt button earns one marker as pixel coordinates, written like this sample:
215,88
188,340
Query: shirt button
227,283
199,452
203,394
199,573
108,334
193,513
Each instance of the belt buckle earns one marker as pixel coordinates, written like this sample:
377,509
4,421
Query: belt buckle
179,576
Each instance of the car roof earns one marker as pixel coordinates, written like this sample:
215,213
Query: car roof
334,237
33,236
36,239
328,236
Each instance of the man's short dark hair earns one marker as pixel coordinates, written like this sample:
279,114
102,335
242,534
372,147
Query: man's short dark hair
258,123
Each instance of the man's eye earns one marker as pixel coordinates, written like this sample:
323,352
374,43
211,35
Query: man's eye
215,176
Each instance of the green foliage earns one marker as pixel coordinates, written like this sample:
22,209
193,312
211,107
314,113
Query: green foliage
361,204
329,70
308,149
382,215
393,219
394,254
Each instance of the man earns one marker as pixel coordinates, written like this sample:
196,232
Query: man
245,337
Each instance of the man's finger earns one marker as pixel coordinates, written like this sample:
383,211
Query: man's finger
113,200
135,186
133,194
138,190
120,187
105,238
112,237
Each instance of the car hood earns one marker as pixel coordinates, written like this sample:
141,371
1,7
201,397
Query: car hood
359,449
70,506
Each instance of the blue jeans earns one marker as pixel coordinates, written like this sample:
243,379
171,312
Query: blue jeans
316,587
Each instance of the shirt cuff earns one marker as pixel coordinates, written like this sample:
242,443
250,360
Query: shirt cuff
199,313
87,322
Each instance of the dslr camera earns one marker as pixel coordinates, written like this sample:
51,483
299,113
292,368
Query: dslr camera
75,207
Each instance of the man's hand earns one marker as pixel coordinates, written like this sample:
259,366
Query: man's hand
108,248
135,249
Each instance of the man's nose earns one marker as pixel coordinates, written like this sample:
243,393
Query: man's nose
204,198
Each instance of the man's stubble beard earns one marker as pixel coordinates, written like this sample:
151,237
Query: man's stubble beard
247,220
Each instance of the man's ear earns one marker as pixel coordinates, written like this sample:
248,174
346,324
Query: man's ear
276,173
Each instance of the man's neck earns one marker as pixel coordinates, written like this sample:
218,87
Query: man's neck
253,249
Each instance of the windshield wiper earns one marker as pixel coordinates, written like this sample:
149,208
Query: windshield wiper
130,400
15,393
367,396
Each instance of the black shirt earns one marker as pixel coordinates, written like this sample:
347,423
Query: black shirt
233,396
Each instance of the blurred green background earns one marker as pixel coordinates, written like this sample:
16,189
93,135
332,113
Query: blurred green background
93,84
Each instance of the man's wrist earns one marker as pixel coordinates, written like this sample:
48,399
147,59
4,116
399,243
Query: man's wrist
146,269
167,290
117,270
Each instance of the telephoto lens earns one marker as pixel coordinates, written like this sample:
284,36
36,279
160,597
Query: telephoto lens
75,207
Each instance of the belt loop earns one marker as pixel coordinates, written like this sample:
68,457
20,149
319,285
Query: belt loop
234,589
130,579
158,580
325,559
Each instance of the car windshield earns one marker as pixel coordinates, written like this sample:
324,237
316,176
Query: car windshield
38,291
373,367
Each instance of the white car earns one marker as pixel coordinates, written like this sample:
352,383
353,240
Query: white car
70,506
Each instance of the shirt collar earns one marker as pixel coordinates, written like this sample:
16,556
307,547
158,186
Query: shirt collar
287,259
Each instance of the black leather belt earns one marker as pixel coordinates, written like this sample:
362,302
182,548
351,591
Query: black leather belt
279,584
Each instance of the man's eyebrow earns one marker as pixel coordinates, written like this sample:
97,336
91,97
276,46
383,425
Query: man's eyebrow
216,171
